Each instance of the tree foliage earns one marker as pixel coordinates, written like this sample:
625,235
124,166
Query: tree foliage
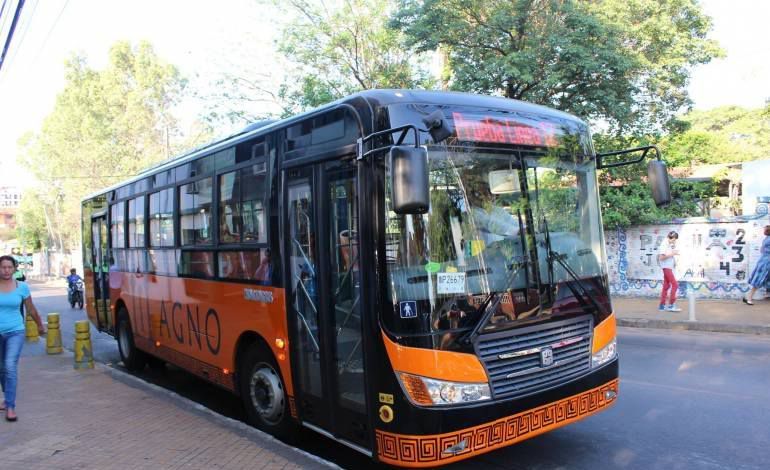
105,126
626,199
623,62
341,47
720,135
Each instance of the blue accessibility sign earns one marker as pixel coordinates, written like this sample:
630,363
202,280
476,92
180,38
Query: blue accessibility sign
408,309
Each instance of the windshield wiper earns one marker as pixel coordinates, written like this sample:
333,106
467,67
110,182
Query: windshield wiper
583,296
489,306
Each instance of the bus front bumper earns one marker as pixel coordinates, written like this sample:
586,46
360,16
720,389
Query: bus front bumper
407,450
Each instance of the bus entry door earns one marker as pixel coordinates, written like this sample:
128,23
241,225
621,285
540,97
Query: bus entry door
100,266
325,298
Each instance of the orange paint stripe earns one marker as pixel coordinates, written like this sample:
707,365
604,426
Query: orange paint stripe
428,450
604,332
442,365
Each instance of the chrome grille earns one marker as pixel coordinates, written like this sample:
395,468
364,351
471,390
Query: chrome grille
525,360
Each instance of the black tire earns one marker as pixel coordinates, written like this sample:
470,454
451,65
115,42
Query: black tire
72,304
264,394
80,304
132,358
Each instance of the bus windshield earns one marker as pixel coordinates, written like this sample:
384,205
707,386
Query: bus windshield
511,236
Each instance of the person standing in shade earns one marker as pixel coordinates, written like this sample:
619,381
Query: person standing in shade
760,276
667,254
13,294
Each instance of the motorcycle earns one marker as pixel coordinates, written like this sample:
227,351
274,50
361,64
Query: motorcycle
76,294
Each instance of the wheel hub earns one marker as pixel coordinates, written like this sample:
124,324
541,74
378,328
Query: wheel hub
267,395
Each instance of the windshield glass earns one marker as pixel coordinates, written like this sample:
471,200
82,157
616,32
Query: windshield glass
511,237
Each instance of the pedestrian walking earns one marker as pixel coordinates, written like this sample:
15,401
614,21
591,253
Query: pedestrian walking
13,294
760,277
667,253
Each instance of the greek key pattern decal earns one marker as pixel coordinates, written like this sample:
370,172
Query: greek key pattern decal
418,451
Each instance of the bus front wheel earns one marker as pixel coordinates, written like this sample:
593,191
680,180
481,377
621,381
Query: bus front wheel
263,393
132,358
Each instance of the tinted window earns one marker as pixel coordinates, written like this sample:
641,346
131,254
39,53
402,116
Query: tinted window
162,218
197,264
253,265
117,227
163,178
195,212
163,261
125,191
136,222
135,261
241,205
321,133
203,166
225,158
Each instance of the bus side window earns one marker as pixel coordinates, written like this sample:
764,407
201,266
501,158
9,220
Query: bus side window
252,265
197,264
263,274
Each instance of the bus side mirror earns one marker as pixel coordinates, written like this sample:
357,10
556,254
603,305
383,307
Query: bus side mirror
657,178
409,179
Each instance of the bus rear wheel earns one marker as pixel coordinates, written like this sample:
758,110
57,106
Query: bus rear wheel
263,393
132,358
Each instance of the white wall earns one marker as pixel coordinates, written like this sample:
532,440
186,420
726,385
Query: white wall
716,257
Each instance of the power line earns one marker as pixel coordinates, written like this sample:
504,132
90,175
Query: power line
15,20
45,41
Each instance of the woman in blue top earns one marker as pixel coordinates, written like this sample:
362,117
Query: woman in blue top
761,275
12,295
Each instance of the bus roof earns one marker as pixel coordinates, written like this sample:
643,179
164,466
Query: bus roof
376,98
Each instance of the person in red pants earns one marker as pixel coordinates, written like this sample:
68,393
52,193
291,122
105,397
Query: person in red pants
667,254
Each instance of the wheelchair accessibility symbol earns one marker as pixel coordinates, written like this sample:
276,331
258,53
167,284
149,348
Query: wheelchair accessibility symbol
408,309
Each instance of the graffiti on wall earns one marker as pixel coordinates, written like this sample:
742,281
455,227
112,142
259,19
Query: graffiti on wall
715,258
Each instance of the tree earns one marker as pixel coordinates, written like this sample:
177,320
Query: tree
735,133
626,199
341,47
623,62
105,126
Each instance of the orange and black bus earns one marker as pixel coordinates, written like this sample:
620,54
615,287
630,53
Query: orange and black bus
418,275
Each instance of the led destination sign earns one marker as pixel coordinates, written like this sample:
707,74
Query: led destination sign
505,130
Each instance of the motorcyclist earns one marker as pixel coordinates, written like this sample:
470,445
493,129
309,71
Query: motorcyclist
19,275
72,280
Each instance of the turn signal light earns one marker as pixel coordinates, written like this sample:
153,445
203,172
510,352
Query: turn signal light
280,343
416,389
426,391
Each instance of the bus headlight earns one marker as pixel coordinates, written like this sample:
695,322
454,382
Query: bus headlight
605,354
431,392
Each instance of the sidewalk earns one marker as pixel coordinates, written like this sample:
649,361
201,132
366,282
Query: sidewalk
106,419
724,316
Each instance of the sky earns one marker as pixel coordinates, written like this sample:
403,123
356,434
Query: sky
204,38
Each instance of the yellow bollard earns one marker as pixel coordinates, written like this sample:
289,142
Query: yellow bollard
53,339
84,358
31,332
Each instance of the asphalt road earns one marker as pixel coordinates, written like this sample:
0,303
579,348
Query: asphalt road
687,401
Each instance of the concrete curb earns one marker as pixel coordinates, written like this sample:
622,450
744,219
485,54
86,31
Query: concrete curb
694,326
